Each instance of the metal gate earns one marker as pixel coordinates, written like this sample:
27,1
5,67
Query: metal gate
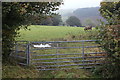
58,55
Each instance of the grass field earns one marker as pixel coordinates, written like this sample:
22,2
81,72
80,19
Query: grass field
53,33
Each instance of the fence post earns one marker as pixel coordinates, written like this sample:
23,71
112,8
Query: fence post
28,53
83,53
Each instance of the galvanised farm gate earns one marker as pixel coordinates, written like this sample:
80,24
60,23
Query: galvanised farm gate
57,55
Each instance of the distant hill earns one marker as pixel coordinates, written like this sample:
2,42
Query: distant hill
87,12
84,14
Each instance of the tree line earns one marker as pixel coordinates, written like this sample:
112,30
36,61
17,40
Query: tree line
52,20
56,20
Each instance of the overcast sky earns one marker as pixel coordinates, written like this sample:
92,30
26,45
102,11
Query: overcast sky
74,4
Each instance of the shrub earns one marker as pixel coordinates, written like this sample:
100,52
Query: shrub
109,40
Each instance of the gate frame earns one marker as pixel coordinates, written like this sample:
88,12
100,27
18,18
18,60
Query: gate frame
28,58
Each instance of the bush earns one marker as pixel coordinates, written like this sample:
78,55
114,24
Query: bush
109,40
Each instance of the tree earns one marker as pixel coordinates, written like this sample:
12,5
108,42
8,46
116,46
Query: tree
53,20
111,12
73,21
46,21
56,19
18,14
110,40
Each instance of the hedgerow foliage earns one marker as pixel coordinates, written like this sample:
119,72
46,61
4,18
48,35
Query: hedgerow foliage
110,42
109,36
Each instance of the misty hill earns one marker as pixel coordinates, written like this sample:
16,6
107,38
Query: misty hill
86,15
87,12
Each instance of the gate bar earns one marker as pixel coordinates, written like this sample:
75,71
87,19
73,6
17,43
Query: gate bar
65,61
66,47
65,68
66,41
69,58
67,54
70,65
